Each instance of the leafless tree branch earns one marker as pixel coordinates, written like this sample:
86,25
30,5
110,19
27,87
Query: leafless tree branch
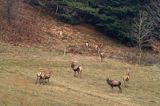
142,31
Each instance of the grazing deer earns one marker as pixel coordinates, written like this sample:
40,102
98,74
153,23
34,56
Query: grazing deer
76,68
114,83
42,76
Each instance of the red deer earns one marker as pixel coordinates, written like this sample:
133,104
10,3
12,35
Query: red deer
114,83
76,68
42,76
99,47
126,78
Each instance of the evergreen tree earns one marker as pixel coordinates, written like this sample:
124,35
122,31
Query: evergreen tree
112,17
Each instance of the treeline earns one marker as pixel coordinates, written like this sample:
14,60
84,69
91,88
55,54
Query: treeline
112,17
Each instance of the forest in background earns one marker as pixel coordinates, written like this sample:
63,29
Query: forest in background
114,18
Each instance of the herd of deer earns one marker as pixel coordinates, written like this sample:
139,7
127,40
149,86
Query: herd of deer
44,76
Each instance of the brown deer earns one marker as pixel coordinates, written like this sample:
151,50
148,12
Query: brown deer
126,78
114,83
102,56
42,76
99,47
76,68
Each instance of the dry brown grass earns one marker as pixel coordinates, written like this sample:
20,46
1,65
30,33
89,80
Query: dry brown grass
18,67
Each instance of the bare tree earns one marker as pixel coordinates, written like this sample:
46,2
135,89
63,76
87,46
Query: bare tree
153,10
142,32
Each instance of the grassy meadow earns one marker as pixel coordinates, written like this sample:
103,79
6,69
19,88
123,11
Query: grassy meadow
18,67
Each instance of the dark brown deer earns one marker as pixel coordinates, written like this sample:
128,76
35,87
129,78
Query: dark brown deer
114,83
76,68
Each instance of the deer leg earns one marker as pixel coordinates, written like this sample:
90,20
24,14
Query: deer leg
48,80
80,73
77,73
127,83
120,89
98,50
74,73
36,80
124,83
43,81
40,81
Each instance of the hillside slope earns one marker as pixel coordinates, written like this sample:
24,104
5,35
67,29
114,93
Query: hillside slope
32,27
35,41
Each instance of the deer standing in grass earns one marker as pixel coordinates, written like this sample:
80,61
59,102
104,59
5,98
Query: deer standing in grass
99,47
102,56
76,68
126,78
114,83
42,76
